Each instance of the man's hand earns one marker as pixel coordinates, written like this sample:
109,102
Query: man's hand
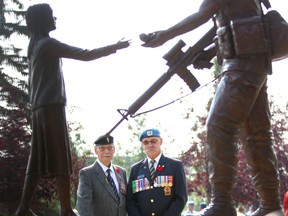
154,39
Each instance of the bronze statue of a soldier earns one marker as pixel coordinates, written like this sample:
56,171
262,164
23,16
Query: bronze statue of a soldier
50,154
240,102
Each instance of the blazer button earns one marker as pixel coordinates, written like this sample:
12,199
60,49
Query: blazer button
153,214
152,200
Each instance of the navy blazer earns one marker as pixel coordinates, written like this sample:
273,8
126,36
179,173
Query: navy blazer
159,199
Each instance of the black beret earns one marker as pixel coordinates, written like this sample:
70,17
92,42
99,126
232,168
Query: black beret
104,140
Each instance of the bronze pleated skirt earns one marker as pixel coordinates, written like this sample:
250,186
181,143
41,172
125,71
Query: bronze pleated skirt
50,153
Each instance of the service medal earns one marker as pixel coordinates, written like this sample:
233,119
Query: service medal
167,191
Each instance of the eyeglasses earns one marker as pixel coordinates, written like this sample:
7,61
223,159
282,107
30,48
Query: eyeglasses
103,148
152,141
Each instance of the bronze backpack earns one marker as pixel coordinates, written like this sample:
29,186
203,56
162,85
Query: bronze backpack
277,31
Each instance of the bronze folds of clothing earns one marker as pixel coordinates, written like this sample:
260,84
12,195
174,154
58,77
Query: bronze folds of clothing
249,36
50,149
225,43
242,37
241,103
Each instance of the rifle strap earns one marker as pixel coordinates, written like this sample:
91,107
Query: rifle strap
179,98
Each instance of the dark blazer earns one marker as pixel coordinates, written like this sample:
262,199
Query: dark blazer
95,196
158,200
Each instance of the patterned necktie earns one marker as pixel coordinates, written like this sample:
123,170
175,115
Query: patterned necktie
152,169
110,180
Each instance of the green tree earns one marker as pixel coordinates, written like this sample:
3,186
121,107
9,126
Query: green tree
14,109
135,153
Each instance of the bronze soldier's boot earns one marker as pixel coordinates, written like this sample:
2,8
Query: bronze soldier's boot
221,203
263,165
222,161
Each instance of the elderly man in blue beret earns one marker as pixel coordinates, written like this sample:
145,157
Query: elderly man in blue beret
157,184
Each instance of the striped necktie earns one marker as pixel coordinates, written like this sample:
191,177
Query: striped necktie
152,169
110,180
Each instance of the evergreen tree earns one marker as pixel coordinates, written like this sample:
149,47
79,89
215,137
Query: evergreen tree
14,109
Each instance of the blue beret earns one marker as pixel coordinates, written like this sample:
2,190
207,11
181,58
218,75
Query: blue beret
153,132
104,140
190,203
203,204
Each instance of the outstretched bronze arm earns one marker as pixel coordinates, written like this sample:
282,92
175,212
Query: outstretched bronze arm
178,61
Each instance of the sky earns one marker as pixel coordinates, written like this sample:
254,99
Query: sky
98,88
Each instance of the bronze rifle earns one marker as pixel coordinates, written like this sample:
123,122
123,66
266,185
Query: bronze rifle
178,61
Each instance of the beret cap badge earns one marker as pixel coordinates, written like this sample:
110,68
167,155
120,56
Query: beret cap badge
104,140
149,133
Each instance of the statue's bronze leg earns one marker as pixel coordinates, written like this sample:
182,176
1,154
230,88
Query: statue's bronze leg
263,166
256,137
222,173
63,187
29,188
230,110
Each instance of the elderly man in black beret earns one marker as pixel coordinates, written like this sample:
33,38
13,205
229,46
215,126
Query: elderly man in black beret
102,185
